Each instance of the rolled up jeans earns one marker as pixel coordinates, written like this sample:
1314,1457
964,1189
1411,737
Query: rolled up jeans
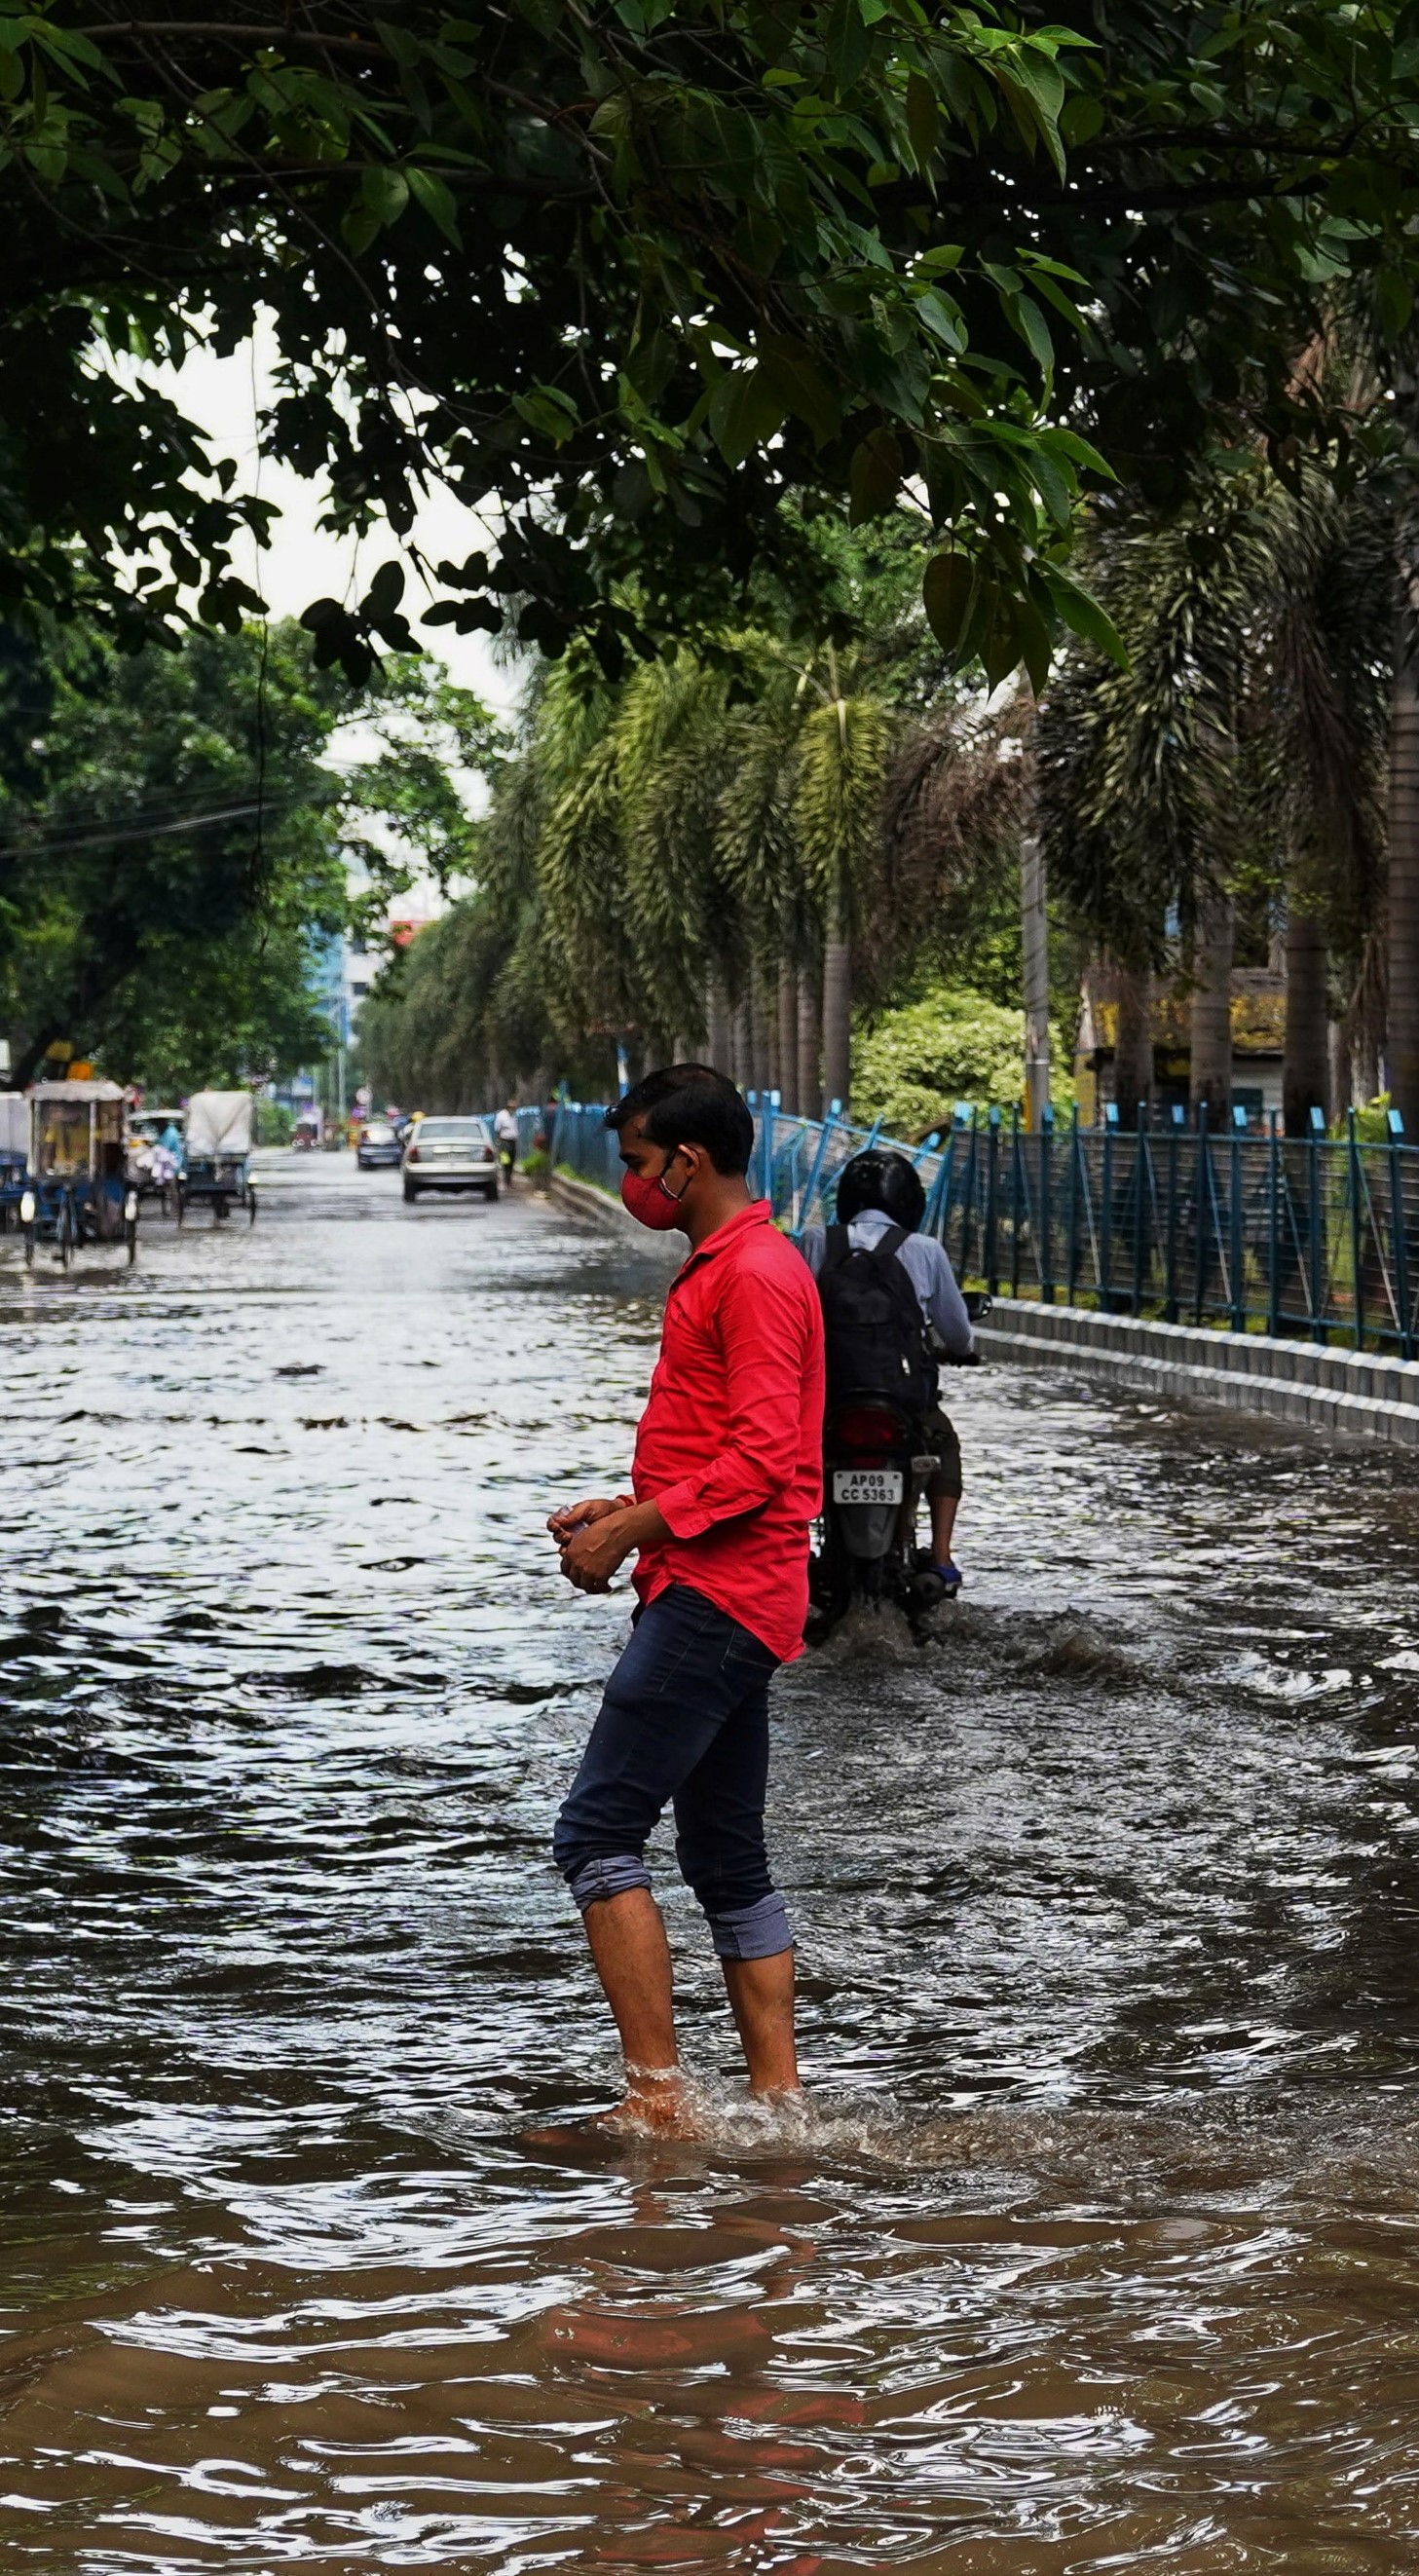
684,1719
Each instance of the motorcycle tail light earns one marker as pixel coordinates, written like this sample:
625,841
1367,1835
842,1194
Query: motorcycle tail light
863,1427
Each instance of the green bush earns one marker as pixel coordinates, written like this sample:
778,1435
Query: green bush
914,1064
275,1123
1371,1122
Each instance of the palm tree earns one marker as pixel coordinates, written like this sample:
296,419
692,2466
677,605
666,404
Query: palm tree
1244,739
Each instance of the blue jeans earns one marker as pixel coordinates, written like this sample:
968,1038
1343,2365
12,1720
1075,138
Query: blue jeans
685,1718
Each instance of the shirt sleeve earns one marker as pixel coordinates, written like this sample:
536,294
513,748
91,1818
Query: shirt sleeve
812,1243
765,1328
946,1307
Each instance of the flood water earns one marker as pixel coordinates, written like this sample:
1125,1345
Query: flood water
1098,2247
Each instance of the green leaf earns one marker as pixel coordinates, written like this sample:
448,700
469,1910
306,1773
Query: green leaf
436,199
399,43
849,44
1394,300
949,595
875,477
1001,648
1053,487
1030,322
385,591
923,118
1083,615
748,408
803,390
1035,645
384,192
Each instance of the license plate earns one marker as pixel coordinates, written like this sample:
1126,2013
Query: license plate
868,1485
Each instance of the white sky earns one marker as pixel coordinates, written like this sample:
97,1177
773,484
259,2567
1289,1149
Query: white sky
305,562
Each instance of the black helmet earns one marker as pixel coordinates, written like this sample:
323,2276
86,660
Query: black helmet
885,1181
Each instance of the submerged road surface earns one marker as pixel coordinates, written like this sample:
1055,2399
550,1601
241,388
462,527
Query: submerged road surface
1099,2246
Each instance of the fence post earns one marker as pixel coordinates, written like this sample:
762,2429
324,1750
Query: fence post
1234,1218
1015,1195
965,1122
1203,1212
1316,1238
1046,1246
990,1262
938,1211
1140,1206
1071,1244
1106,1211
1170,1254
1273,1285
766,1142
1356,1246
824,1132
1401,1248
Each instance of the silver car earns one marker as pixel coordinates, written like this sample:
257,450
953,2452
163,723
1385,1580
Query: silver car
450,1154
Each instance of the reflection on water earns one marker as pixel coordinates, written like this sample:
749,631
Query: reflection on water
1099,2245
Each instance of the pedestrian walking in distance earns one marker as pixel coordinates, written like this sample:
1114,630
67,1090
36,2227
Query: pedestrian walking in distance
505,1129
726,1480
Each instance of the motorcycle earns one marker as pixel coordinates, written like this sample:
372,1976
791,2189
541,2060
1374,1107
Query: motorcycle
876,1468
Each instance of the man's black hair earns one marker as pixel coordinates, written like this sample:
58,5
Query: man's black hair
690,1104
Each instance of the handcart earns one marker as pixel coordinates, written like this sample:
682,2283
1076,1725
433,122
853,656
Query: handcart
217,1155
77,1189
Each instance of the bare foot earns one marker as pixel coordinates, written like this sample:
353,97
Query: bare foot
656,2101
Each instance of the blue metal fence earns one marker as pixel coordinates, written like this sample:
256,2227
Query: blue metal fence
1316,1237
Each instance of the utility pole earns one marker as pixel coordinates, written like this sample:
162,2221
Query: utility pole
1034,949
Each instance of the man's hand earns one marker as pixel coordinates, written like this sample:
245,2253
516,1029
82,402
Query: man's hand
575,1516
599,1536
591,1554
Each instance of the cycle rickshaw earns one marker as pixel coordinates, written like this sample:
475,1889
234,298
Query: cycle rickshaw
77,1189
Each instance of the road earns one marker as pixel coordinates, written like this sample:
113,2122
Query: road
1096,2247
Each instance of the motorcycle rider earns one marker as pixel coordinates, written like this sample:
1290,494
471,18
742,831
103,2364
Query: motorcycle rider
878,1191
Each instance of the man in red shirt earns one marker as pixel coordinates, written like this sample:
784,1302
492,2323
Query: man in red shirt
726,1480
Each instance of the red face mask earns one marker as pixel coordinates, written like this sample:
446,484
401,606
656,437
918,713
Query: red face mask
648,1199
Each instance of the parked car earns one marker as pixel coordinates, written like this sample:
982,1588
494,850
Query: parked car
378,1145
450,1154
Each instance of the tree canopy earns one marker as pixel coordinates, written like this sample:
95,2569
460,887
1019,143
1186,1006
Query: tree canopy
175,836
625,272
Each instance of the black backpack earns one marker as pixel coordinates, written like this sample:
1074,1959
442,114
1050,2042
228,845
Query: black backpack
873,1326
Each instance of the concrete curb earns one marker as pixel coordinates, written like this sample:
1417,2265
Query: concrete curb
1351,1392
595,1207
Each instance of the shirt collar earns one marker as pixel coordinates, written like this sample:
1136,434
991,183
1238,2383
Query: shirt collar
758,1212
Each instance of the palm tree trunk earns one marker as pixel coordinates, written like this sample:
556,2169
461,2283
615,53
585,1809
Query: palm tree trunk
788,1038
768,1022
1034,953
1212,1006
740,1059
1402,1033
1133,1047
1305,1066
718,1040
837,1020
810,1050
1340,1063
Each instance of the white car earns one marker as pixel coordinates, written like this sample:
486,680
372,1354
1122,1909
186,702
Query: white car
450,1154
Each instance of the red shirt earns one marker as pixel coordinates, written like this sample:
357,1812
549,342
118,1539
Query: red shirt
730,1444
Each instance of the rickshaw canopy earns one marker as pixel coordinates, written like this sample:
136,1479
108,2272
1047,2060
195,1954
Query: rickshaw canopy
219,1126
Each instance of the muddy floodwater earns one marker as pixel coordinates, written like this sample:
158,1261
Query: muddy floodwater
1098,2247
